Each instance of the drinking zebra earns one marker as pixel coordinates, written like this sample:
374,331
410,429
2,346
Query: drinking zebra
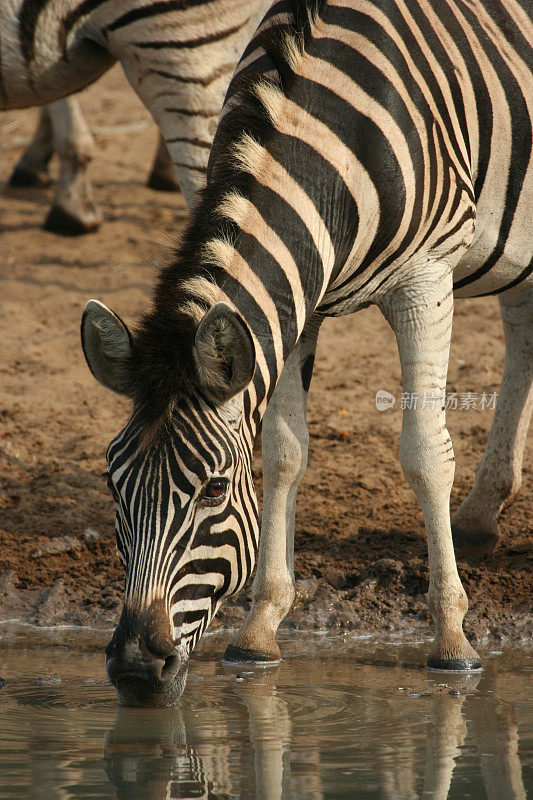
178,55
366,153
62,129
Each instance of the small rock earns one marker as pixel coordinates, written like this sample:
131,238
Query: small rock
520,547
90,537
335,577
61,544
49,680
387,565
52,604
235,613
7,585
386,570
455,693
305,591
12,601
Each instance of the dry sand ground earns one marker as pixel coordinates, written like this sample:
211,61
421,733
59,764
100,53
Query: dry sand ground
361,554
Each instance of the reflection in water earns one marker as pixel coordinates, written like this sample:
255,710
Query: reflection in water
326,724
148,756
445,736
494,730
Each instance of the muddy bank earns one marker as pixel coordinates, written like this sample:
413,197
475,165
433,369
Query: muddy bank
361,554
345,589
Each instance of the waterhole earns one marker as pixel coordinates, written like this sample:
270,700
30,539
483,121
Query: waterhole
338,718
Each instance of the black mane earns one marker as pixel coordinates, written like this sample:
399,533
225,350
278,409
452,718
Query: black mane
162,367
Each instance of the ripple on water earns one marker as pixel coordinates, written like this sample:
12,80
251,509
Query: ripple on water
49,693
320,725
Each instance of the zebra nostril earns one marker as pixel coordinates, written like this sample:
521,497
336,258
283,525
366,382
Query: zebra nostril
170,667
164,656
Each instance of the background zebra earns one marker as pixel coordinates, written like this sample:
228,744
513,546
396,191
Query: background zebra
367,153
177,54
62,129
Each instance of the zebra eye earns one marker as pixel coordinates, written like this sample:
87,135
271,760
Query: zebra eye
215,489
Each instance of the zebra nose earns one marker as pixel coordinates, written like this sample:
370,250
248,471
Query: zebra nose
142,661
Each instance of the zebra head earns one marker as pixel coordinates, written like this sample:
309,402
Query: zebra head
180,475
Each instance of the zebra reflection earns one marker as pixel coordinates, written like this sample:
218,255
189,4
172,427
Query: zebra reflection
186,752
147,757
194,751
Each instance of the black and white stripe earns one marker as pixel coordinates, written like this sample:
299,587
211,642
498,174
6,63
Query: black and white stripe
367,152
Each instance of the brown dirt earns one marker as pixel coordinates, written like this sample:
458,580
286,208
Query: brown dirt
361,555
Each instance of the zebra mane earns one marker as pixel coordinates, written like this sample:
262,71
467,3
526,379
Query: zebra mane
162,367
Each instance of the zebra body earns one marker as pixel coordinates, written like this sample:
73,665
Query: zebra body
355,162
178,55
446,123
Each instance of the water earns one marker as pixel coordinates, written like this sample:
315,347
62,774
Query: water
339,718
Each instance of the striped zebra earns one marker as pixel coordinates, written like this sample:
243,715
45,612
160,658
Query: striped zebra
367,152
178,55
62,129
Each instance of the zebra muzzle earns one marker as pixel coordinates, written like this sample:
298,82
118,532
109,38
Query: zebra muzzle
142,661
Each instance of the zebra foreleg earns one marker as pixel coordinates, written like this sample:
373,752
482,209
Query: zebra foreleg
499,475
73,211
421,317
285,443
32,167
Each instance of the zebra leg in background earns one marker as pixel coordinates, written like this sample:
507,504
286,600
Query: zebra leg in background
32,167
285,444
499,475
421,317
73,210
163,176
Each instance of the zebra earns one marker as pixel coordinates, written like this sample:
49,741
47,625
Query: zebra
62,128
366,153
178,55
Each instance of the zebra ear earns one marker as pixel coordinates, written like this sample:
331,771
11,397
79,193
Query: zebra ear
224,352
106,343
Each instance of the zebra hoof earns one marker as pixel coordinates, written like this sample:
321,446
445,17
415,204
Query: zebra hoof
473,545
24,178
235,655
64,223
465,664
452,652
162,183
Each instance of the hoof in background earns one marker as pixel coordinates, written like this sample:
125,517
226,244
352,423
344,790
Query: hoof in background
60,221
162,183
471,545
22,178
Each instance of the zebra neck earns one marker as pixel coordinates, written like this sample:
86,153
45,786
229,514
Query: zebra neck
274,277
